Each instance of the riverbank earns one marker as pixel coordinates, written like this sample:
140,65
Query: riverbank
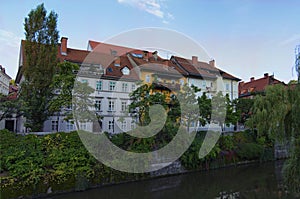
244,181
39,166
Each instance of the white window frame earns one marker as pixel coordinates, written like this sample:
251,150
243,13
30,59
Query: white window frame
111,105
99,85
124,87
112,86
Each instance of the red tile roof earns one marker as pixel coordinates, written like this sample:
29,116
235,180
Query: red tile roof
199,70
88,57
257,86
158,65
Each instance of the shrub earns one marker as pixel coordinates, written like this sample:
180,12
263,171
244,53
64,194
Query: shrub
249,151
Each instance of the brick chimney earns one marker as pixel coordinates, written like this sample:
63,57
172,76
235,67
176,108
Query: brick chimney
266,75
194,60
155,55
146,55
252,79
166,62
64,45
212,63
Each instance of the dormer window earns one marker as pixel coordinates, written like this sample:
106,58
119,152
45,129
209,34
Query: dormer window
125,71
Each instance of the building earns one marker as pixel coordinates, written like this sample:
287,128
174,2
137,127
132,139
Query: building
113,72
257,86
207,77
111,77
4,81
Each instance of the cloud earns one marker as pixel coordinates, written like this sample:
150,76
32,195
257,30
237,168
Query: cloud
295,37
8,39
9,49
153,7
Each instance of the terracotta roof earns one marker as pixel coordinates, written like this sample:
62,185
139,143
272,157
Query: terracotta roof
158,65
257,86
109,49
200,70
226,75
88,57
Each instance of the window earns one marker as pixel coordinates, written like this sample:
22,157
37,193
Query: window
123,106
110,125
132,87
112,86
84,81
98,105
70,126
83,126
111,105
173,81
125,71
147,78
54,125
227,87
181,82
203,84
99,85
124,125
124,87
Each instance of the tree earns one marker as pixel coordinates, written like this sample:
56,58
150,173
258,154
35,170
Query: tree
39,66
205,109
243,106
8,107
232,114
63,82
219,109
277,116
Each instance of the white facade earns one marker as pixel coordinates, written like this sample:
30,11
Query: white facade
4,82
206,85
228,86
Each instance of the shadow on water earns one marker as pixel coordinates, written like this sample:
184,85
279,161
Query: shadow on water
251,181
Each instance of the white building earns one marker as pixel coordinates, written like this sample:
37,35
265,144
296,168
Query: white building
4,81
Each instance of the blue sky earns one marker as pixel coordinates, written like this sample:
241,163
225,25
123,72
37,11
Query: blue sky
246,37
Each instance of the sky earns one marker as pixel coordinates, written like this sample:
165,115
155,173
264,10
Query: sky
246,38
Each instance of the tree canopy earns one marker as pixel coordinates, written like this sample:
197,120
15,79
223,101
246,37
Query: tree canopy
39,66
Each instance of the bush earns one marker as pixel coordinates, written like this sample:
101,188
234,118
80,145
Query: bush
249,151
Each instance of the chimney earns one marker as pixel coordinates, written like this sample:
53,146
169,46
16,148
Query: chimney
194,60
155,55
63,45
252,79
3,70
212,63
266,75
166,62
146,55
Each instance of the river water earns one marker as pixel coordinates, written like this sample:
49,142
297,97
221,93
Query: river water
250,181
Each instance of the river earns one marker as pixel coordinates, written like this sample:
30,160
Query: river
248,181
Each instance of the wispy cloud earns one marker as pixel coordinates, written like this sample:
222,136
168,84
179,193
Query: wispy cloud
154,7
295,37
9,47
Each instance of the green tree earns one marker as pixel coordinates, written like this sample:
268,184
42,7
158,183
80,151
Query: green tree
219,109
63,82
277,116
8,107
142,98
40,66
232,114
244,106
205,109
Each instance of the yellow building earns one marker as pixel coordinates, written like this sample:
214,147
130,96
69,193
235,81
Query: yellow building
162,73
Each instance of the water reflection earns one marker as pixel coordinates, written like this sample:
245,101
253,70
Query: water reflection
252,181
